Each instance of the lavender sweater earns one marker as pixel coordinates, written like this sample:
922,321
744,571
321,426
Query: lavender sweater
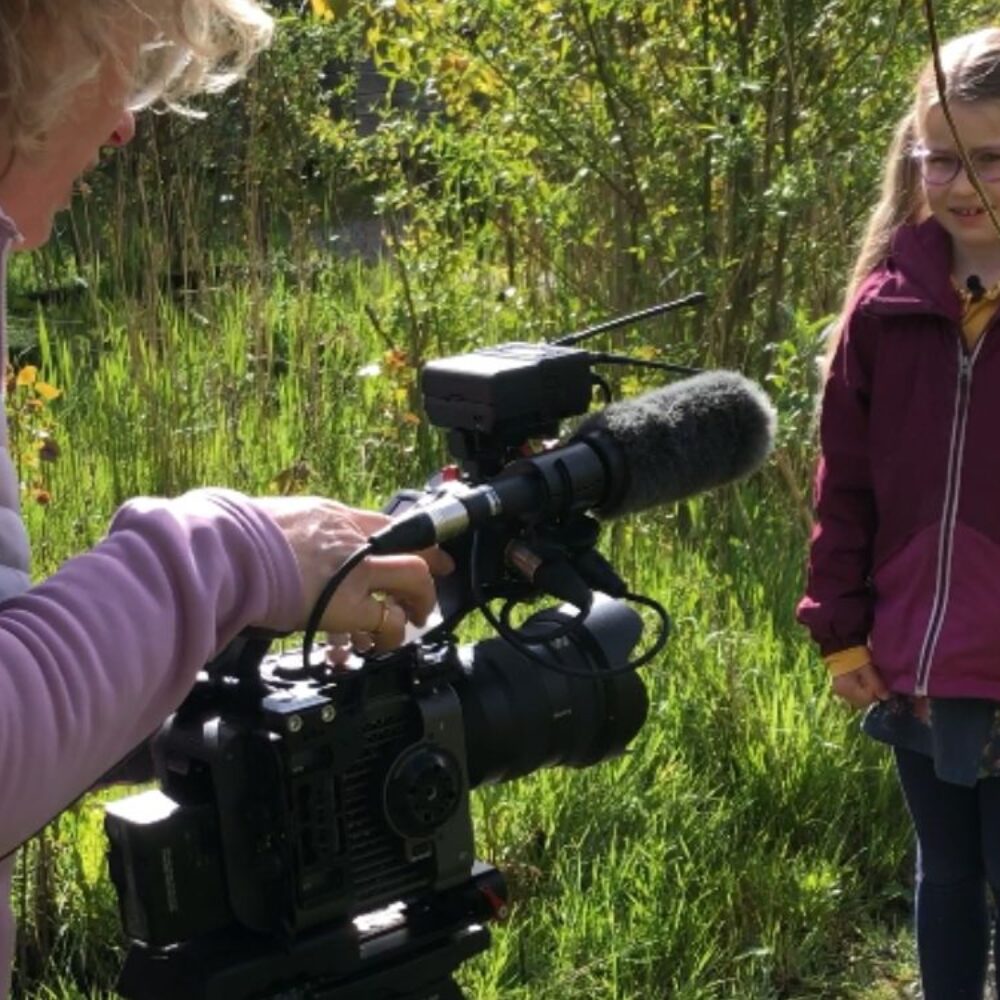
95,657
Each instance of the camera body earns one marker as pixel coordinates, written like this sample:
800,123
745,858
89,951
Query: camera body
288,802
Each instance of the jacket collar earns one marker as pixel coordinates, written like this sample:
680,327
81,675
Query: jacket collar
916,275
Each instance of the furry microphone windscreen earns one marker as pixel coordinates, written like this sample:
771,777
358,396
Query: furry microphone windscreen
688,437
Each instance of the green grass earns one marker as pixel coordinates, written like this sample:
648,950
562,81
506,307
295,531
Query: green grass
737,851
750,844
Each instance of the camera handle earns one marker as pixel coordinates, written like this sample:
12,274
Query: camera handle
575,538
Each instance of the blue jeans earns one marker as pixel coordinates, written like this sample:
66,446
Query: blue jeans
958,856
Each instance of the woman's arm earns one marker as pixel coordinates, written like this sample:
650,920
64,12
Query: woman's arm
94,658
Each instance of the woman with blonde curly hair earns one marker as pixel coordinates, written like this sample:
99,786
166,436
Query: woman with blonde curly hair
72,74
95,657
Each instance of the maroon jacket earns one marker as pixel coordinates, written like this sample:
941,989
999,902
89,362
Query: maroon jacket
906,552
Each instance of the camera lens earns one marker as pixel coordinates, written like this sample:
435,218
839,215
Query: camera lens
520,716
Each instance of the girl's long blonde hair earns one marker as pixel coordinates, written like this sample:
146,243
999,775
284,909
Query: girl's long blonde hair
48,48
971,65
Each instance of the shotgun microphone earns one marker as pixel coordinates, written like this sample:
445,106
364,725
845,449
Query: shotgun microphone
663,446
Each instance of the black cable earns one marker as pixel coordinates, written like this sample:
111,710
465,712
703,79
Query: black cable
482,603
326,594
524,648
664,631
500,624
551,635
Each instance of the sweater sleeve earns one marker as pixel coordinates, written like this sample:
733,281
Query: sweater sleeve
837,606
93,659
846,661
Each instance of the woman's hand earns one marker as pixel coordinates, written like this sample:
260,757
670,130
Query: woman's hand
379,596
860,687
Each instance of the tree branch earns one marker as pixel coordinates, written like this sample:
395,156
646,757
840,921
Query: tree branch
942,86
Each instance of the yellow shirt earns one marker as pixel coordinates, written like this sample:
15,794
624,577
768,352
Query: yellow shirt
976,315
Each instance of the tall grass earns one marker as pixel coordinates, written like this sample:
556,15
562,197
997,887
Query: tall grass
742,848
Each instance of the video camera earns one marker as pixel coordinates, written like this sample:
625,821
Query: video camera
312,836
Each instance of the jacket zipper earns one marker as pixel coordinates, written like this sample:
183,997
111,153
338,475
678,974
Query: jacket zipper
946,536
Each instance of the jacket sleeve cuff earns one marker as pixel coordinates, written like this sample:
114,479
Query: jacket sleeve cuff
846,660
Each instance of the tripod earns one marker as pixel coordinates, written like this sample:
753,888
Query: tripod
401,953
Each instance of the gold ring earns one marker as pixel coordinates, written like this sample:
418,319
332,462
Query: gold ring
382,620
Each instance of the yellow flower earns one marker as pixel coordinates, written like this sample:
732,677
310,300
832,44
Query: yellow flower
322,10
46,391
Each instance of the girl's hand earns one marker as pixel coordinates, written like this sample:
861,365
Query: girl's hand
382,593
860,687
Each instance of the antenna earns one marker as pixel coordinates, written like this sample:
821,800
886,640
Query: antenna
694,299
604,358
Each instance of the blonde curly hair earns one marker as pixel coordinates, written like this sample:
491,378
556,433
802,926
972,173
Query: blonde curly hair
168,50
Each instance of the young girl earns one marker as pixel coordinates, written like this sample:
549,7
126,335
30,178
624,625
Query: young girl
93,659
904,577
